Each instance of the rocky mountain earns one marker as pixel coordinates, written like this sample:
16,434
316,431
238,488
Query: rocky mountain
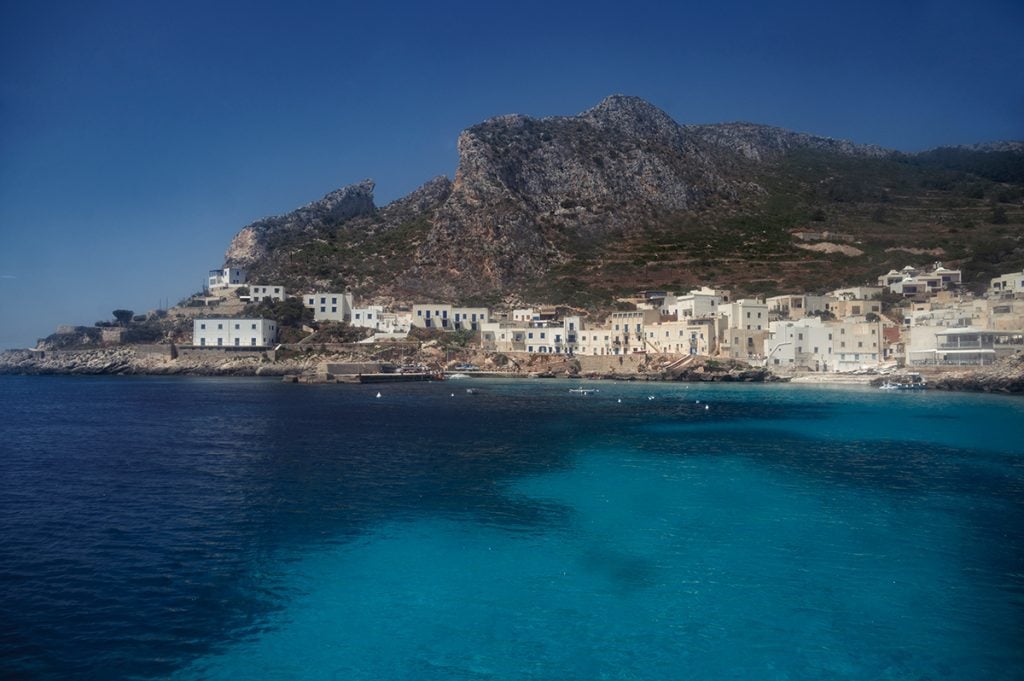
621,196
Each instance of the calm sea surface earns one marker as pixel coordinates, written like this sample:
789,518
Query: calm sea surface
245,528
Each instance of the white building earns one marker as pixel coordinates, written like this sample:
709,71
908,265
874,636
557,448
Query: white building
702,302
1008,284
537,337
748,313
810,343
856,293
960,346
329,307
227,278
798,305
448,317
259,293
233,333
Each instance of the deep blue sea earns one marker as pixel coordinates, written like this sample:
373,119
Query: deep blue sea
249,529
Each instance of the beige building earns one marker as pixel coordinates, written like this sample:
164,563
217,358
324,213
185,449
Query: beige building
330,307
259,293
1008,284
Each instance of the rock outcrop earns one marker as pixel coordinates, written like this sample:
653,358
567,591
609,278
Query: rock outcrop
1005,376
256,240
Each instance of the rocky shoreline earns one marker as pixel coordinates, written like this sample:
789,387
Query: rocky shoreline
1006,376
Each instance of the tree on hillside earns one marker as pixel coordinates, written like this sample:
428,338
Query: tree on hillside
123,317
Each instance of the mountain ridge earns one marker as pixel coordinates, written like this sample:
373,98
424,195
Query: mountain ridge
565,197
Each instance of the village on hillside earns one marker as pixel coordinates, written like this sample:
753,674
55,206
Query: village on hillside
908,319
929,320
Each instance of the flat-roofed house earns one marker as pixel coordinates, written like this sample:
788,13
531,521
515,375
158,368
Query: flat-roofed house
227,332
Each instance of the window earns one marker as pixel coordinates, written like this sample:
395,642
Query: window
238,341
202,326
220,326
334,309
323,309
252,341
220,341
254,326
238,327
202,341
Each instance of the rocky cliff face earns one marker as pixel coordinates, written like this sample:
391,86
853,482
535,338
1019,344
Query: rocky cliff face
528,192
587,197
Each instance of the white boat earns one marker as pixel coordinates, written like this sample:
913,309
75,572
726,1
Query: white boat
583,391
911,381
456,377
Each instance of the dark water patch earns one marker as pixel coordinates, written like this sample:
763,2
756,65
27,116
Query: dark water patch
150,518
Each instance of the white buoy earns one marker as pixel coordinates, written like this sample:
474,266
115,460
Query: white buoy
706,407
620,400
378,394
698,401
650,397
453,394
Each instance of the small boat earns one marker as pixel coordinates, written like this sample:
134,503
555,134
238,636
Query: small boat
456,377
583,391
472,391
912,381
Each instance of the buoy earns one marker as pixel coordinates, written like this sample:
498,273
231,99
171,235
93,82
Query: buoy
698,401
706,407
620,400
650,397
453,394
378,394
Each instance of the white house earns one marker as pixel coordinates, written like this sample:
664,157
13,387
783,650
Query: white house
798,305
329,307
233,333
824,346
1008,284
683,337
702,302
469,318
227,277
259,293
939,345
448,317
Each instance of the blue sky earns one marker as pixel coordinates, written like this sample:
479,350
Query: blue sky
137,137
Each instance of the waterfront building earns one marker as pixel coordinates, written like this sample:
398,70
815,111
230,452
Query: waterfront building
221,332
812,344
448,317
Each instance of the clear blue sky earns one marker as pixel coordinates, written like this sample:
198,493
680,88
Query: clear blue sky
137,137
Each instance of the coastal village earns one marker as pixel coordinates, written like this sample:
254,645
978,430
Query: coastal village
917,318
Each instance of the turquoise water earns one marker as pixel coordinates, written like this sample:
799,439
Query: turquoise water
770,532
